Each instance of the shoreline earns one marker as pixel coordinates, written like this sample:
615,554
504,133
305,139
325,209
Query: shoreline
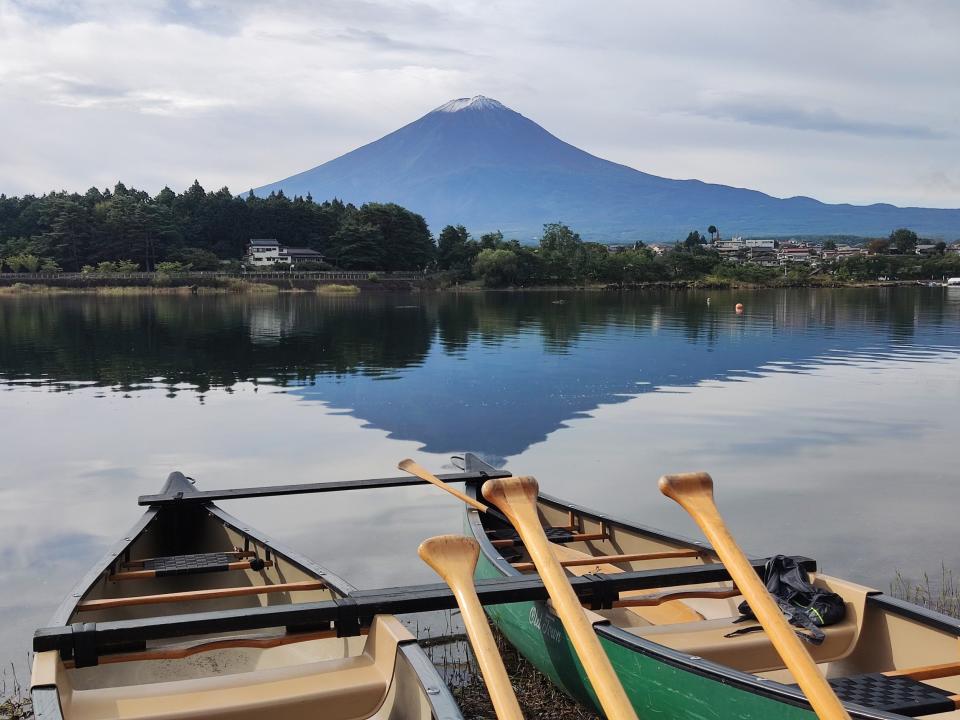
685,285
105,286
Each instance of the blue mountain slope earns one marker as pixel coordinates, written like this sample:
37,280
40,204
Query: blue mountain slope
476,162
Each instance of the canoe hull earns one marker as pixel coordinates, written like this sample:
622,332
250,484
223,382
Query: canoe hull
656,688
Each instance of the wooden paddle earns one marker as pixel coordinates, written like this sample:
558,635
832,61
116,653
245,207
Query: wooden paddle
516,497
454,558
694,493
411,467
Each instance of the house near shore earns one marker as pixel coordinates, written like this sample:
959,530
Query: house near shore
268,251
795,253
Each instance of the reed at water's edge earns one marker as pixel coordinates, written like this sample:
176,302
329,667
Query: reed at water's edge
14,699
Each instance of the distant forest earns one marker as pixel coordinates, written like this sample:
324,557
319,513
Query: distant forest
198,229
125,229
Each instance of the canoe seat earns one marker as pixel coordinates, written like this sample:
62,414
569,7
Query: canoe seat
899,695
750,652
192,564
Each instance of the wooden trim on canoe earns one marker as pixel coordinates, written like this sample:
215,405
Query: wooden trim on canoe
182,651
146,574
575,537
668,595
138,562
927,672
612,559
106,603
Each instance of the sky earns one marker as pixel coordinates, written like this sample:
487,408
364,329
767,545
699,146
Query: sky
846,101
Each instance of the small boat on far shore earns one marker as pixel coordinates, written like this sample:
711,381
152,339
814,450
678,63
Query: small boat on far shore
170,624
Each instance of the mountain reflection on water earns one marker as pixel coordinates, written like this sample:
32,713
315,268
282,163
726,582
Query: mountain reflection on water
492,372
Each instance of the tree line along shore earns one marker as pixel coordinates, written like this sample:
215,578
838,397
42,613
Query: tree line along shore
102,234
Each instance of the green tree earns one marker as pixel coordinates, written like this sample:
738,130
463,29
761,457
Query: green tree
196,258
694,241
904,240
358,246
497,268
455,250
25,262
405,239
829,245
713,231
491,240
561,251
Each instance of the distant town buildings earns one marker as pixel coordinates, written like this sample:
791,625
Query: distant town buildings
268,251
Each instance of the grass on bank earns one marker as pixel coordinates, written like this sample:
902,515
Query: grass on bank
236,286
229,286
538,697
14,700
334,289
942,595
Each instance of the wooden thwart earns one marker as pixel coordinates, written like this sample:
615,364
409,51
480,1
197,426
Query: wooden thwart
574,537
91,605
183,651
927,672
612,559
147,574
666,596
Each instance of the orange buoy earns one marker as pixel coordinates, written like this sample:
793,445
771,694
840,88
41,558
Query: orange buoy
739,308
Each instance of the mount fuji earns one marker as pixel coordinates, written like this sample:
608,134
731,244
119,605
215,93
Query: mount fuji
476,162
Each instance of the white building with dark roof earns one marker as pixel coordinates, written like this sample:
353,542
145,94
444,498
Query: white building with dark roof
268,251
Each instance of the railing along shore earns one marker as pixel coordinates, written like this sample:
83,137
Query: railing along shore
275,275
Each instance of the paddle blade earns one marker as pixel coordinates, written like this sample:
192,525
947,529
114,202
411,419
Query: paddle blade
687,486
506,493
452,557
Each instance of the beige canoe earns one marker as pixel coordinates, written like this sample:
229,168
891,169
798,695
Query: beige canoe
194,562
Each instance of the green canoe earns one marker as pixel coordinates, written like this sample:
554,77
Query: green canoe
678,648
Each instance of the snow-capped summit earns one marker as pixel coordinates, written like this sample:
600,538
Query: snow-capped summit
477,102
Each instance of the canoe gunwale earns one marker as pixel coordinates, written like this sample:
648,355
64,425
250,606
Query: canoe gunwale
725,675
911,611
435,690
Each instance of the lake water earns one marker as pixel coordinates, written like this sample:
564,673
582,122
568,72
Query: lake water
828,419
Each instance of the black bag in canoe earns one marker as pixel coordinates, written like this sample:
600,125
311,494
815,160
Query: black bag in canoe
804,604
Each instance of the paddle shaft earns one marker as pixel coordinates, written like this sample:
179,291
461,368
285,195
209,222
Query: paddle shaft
414,469
516,498
454,558
694,492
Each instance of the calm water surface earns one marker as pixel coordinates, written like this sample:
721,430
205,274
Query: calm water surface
828,418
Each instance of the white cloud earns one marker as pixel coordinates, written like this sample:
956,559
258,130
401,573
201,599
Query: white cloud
850,101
